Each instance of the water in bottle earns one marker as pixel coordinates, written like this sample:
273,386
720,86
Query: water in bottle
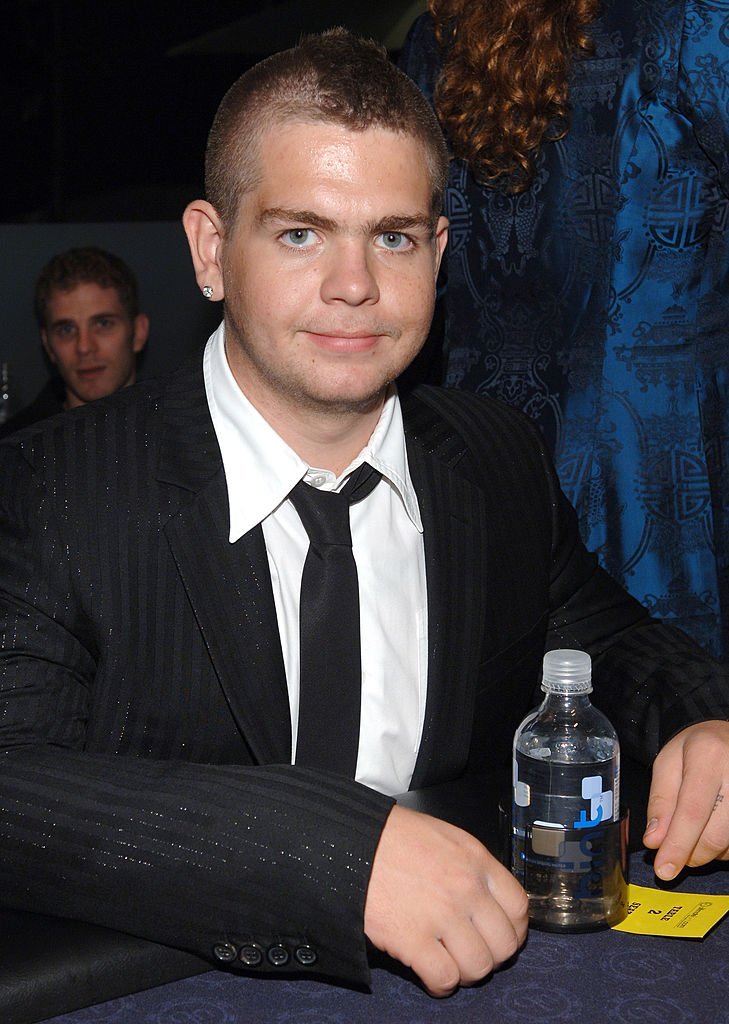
566,831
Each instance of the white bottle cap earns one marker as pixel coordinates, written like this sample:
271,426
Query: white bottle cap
567,672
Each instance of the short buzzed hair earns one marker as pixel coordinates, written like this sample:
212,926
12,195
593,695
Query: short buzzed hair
334,77
85,265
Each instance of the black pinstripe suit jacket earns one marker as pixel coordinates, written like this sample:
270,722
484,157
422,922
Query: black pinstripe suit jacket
146,783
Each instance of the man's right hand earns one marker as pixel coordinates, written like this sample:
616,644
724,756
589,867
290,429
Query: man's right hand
440,903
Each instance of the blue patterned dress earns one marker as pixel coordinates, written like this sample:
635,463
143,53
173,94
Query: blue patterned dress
598,301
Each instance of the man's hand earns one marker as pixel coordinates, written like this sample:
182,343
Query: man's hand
688,807
440,903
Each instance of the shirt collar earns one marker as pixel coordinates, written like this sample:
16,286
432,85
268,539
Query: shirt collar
252,450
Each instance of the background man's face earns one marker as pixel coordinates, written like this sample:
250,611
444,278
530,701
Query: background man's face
329,273
92,341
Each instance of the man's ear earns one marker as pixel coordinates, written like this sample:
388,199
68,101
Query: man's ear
204,230
141,332
441,240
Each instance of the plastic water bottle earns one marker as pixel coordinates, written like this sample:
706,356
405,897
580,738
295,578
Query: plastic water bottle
566,833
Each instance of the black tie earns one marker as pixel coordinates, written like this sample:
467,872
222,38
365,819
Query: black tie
329,628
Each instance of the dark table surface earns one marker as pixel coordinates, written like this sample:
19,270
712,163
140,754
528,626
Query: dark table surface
597,977
593,978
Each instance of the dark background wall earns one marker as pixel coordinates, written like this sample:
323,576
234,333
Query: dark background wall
105,112
106,106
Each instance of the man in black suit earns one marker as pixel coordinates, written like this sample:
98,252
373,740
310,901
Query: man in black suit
150,567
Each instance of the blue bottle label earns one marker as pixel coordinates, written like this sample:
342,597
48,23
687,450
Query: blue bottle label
567,795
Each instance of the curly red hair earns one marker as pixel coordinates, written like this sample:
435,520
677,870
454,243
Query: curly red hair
503,89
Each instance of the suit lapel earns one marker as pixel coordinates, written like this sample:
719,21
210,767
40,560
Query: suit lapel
454,525
228,585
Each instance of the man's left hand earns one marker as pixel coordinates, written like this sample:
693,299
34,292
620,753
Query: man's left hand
688,806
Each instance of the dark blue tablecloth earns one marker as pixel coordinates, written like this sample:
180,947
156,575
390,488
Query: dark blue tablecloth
598,978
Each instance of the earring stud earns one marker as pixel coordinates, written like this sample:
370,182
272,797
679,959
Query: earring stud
208,291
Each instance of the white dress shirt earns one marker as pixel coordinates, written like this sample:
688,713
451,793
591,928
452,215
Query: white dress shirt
387,542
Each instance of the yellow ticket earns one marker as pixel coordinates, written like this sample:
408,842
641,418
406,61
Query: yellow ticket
677,915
